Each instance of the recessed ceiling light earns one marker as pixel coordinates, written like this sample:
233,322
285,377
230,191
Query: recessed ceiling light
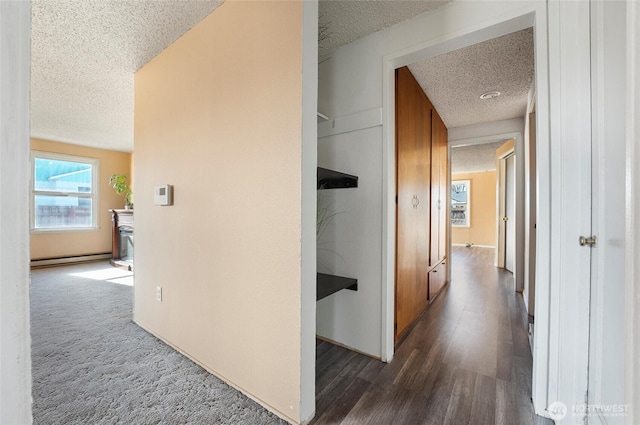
489,95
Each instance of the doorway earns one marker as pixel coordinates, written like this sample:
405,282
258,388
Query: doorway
452,91
506,132
392,62
507,219
474,182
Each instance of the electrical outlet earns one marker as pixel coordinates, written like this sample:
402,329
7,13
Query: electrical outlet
159,293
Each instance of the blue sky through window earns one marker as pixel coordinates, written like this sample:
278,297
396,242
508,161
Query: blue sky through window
62,176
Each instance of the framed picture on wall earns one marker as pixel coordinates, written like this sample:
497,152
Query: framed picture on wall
461,203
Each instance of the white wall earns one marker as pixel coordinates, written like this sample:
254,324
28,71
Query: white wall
351,245
15,342
486,129
354,79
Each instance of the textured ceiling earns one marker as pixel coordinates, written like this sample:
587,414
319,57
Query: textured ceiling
475,158
454,81
349,20
85,52
84,55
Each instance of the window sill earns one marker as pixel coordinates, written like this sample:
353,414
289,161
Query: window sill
63,230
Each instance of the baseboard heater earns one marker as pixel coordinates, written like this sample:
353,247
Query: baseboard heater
46,262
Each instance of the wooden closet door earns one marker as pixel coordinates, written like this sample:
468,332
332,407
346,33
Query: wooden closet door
423,213
413,156
437,276
440,143
406,181
434,256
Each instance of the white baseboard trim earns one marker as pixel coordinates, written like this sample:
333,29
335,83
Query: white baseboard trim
473,245
339,344
46,262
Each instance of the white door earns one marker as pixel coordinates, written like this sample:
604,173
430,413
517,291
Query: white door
606,397
510,213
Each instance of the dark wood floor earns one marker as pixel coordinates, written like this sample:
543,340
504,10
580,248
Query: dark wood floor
467,361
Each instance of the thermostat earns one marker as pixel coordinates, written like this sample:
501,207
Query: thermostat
163,195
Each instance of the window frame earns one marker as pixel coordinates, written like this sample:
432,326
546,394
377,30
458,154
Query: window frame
93,195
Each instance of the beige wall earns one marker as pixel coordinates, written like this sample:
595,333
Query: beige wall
483,210
66,244
218,116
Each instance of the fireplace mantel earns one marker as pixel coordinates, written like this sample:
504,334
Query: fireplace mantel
122,238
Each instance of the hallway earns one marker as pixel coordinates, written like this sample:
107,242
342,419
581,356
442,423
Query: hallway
467,361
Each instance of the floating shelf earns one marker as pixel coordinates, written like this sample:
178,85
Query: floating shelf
328,284
329,179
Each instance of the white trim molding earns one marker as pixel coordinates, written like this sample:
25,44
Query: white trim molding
464,245
632,255
561,340
309,204
15,342
48,262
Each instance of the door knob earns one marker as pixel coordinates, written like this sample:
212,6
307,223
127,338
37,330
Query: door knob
584,241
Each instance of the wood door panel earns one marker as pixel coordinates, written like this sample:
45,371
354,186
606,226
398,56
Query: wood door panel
423,213
440,139
435,193
406,181
437,278
421,183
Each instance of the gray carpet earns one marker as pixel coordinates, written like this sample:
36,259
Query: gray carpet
93,365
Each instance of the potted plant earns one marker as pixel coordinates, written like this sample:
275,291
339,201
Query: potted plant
119,183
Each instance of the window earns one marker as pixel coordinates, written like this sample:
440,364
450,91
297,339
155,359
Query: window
64,192
460,203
